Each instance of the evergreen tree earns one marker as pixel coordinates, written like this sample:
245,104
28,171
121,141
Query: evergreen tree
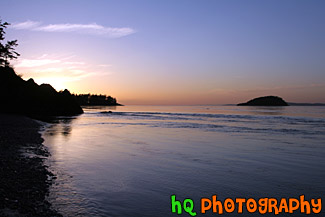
7,51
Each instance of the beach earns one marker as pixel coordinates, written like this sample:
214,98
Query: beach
24,180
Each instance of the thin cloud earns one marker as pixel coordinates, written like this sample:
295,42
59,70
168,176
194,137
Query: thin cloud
57,66
74,63
28,63
57,70
26,25
91,29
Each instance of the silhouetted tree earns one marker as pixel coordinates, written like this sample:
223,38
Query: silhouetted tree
7,51
94,99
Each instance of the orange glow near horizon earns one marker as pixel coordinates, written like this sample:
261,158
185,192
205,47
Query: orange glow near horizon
77,79
184,94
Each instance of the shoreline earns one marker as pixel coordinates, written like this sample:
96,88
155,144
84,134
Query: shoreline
25,179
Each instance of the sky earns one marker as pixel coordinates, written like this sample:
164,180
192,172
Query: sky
173,52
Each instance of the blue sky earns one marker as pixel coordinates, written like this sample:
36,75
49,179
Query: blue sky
173,52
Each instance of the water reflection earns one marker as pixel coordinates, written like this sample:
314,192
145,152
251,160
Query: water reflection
101,108
64,194
60,125
266,110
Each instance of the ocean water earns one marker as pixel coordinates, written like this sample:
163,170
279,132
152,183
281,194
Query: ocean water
129,162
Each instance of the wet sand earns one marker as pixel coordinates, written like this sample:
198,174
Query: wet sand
24,179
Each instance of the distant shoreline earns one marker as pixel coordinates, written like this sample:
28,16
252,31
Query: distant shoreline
290,104
305,104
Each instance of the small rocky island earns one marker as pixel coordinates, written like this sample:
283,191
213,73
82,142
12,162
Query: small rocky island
265,101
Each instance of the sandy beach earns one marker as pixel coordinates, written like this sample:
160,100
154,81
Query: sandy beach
24,180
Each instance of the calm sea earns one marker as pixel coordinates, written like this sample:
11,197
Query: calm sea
129,162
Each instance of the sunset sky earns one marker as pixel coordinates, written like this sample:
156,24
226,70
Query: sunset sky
178,52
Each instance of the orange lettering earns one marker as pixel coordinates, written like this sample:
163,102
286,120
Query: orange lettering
216,203
317,207
304,204
240,202
251,205
205,207
272,204
229,205
263,205
291,207
283,205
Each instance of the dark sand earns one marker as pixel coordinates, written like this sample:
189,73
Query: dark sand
24,179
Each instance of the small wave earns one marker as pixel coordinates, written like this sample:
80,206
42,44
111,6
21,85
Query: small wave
228,117
221,122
